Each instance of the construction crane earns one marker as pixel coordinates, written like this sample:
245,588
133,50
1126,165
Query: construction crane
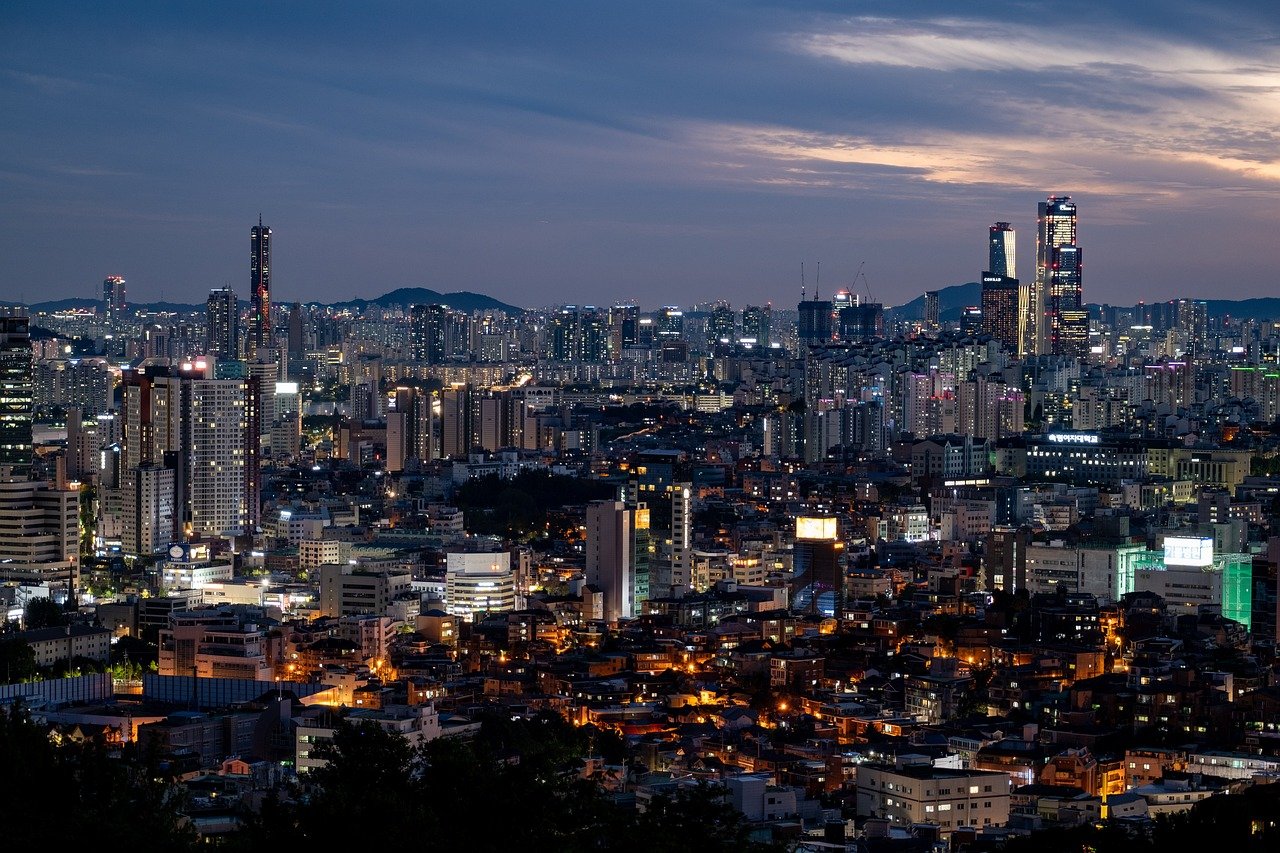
866,284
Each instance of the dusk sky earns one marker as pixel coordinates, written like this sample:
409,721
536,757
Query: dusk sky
666,152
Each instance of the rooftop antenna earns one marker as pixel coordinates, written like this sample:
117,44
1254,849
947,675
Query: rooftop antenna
802,281
817,282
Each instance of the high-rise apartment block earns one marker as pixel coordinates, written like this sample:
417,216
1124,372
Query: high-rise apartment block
610,563
756,324
427,333
222,324
931,311
204,429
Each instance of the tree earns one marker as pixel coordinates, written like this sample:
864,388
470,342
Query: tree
77,795
518,784
17,661
43,613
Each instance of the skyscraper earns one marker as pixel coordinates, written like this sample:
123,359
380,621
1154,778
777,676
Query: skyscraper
222,324
113,297
1002,251
1000,309
1065,324
260,288
17,400
1002,315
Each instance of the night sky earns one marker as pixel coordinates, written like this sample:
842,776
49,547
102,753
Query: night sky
667,152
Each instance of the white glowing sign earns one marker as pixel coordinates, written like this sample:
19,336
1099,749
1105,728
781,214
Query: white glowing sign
1073,438
816,528
1188,551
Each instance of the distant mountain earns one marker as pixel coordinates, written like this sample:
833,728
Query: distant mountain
402,297
951,302
81,302
405,296
954,299
1264,308
65,304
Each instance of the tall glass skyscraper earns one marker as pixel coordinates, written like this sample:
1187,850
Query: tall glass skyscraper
1058,278
1003,251
1001,293
17,400
260,288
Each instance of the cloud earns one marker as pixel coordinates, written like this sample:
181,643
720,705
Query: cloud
45,84
1103,111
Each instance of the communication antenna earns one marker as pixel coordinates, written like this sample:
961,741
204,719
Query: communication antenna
817,282
802,281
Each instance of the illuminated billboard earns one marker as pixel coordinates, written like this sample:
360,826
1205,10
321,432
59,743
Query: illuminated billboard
1188,551
816,528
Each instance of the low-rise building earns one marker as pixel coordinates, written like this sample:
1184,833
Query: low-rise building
910,793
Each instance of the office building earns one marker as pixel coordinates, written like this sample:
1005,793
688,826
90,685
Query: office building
222,324
214,643
17,395
1000,309
347,590
818,563
259,289
1002,250
477,583
39,530
1063,325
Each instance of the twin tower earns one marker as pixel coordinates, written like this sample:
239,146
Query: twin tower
1045,316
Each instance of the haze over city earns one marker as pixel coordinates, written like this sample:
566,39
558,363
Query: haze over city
579,152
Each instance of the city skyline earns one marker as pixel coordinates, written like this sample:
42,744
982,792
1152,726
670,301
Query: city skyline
604,157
